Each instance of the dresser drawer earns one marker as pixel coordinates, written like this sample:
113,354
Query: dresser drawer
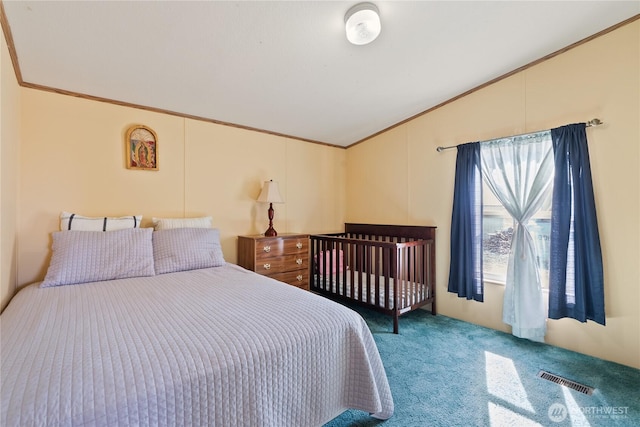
279,264
270,247
298,278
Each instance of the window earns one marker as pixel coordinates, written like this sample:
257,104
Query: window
521,170
497,229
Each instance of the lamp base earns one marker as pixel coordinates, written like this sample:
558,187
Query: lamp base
271,232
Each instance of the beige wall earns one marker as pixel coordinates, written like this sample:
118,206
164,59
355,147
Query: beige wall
73,159
9,166
414,183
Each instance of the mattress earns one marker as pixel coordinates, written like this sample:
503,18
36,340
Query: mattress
365,284
219,346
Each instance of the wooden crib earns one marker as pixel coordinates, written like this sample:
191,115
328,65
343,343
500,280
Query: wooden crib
390,268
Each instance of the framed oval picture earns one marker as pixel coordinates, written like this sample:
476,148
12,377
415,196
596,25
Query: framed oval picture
142,148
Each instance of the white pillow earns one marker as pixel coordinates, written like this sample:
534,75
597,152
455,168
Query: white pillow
92,256
181,249
168,223
71,221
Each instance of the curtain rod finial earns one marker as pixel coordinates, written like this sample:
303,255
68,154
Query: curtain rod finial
594,122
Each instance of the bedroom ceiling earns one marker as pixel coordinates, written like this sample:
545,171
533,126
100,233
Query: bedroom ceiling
286,67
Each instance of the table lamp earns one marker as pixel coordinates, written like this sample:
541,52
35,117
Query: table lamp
270,194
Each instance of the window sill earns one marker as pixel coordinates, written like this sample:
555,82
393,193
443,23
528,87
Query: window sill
500,283
493,281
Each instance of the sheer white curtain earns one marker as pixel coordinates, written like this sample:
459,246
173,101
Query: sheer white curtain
519,171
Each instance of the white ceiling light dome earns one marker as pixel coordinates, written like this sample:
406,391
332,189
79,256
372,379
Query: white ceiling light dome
362,23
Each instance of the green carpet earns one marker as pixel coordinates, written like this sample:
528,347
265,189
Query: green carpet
445,372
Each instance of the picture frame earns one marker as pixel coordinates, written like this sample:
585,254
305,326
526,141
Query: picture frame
142,148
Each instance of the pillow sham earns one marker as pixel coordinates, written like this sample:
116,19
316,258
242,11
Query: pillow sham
71,221
181,249
168,223
91,256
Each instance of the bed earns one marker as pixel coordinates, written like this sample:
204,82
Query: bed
390,268
180,344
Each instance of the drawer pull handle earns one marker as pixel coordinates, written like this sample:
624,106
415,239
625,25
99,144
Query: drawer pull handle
299,245
299,277
299,261
267,266
267,249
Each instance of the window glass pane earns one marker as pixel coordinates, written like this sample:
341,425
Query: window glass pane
497,233
540,228
497,229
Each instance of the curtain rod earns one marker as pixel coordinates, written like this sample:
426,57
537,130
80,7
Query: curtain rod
592,122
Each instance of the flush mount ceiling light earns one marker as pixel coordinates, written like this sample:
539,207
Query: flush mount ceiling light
362,23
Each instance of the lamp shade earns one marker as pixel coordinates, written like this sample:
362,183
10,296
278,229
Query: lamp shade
362,23
270,193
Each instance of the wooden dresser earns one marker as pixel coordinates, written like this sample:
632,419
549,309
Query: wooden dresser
284,257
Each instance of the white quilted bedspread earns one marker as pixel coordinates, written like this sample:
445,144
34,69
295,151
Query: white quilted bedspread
219,346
